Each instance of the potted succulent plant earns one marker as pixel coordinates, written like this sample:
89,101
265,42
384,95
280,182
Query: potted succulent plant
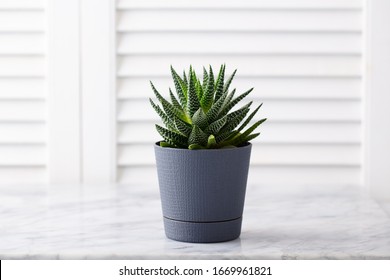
203,159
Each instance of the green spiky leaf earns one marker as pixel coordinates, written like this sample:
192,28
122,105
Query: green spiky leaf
166,145
215,127
233,115
241,138
193,101
199,90
180,86
251,136
183,127
200,119
197,136
228,98
249,118
211,142
171,137
185,79
245,123
169,109
219,84
235,119
174,101
229,81
195,147
208,96
213,113
205,79
167,122
222,136
232,103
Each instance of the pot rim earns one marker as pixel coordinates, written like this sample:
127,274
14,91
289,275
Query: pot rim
245,146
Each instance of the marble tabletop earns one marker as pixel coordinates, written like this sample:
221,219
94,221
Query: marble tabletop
125,222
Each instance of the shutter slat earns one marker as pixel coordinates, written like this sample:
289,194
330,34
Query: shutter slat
22,175
22,21
328,88
199,20
22,133
21,110
238,43
231,4
19,66
22,44
22,155
22,4
19,88
248,65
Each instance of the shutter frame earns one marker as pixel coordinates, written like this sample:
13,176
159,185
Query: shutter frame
64,92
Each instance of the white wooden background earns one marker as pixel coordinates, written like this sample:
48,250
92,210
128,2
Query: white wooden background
23,121
74,85
304,59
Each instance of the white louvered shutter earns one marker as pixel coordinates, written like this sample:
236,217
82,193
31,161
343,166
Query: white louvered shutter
22,92
302,57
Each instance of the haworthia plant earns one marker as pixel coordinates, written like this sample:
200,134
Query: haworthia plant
200,117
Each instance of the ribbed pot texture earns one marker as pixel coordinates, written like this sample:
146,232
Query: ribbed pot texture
202,192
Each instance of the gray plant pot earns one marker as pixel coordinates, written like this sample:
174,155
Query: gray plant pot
202,192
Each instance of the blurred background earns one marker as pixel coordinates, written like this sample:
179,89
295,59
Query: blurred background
74,85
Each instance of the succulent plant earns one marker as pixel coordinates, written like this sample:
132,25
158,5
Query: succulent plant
199,117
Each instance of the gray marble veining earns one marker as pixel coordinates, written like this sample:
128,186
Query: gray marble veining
125,222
